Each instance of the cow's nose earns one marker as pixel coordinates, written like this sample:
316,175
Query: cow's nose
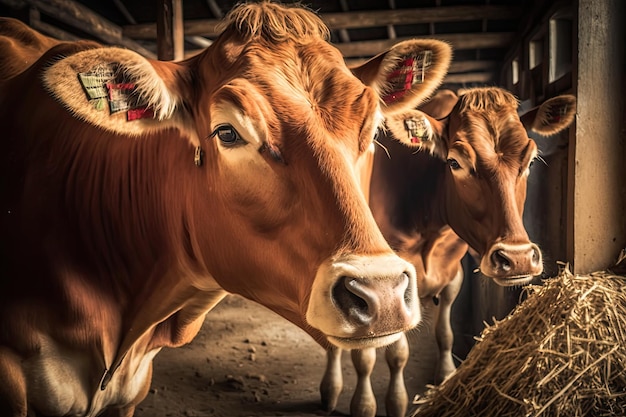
509,263
360,298
363,300
500,260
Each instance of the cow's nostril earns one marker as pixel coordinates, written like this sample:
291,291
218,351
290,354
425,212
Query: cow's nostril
408,293
355,299
536,256
500,260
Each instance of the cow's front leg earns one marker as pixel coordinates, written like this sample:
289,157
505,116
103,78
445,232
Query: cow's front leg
397,399
363,402
13,401
129,410
332,381
443,329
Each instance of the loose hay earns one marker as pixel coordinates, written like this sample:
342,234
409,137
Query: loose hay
561,352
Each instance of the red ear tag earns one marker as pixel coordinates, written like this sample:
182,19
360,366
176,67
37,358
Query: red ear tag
140,113
410,70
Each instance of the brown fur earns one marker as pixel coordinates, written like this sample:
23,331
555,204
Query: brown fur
427,215
118,245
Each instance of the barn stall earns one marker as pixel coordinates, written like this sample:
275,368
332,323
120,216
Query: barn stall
247,361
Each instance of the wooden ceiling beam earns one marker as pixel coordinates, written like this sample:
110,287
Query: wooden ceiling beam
355,19
34,21
473,77
170,42
455,66
459,41
76,15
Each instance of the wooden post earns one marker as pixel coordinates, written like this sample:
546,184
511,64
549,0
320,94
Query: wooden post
597,159
170,36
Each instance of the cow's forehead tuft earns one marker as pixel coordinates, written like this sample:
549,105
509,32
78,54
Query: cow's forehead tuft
276,23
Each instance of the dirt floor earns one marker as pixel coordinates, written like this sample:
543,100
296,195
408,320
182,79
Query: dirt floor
247,361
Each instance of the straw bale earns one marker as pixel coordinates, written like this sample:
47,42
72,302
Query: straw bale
561,352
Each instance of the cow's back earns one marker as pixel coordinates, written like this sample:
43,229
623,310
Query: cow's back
21,46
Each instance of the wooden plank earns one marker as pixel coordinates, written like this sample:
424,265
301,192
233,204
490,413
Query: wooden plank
597,180
79,16
35,22
455,66
202,27
353,20
170,39
14,4
458,41
467,66
470,77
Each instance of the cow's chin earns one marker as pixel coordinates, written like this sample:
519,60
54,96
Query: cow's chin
364,342
513,281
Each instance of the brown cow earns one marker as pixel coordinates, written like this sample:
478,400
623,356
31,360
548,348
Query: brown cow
450,175
136,192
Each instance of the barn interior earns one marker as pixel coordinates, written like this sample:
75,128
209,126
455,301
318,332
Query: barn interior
537,49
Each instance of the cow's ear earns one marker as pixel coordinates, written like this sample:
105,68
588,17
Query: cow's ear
407,74
441,104
553,116
416,129
115,89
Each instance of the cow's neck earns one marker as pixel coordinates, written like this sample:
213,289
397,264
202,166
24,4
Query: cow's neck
408,199
134,240
169,308
406,190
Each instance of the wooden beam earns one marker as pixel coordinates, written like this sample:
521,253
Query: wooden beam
204,27
597,184
80,17
353,20
170,35
468,66
35,22
14,4
458,41
455,66
470,77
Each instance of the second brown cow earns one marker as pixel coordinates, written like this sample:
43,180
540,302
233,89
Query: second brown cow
449,177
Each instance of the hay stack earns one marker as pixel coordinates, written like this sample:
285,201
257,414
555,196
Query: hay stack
561,352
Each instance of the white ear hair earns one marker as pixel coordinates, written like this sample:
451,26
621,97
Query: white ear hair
151,88
62,81
414,130
554,115
430,62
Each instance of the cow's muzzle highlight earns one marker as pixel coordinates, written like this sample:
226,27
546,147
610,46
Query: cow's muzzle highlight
363,302
512,264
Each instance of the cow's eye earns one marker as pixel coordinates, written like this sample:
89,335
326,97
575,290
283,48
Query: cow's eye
227,135
453,164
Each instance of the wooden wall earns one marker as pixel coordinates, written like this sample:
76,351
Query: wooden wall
577,200
597,151
576,204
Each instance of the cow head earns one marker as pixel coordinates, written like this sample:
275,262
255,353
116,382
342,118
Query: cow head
277,126
488,153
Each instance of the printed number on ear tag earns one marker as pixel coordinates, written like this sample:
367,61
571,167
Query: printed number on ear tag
418,129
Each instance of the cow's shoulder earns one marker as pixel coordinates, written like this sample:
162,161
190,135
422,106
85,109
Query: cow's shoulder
21,47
